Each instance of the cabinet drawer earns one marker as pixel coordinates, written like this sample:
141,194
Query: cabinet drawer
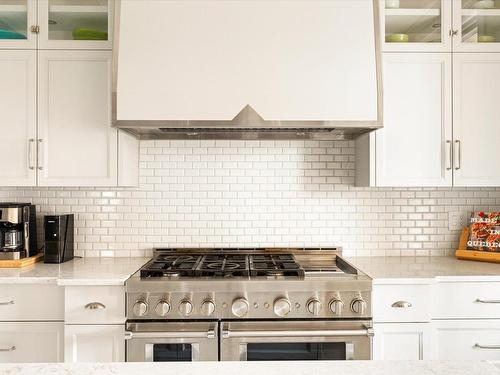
94,305
23,302
468,300
30,342
401,303
467,340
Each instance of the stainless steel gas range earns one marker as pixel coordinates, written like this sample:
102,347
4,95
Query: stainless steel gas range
248,305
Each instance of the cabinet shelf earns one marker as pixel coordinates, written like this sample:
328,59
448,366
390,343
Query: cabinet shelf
481,12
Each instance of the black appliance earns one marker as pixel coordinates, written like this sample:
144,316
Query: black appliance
59,238
17,230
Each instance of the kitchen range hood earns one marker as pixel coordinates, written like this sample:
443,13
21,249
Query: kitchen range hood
247,69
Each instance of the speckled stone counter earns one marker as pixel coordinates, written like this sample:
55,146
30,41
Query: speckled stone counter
426,267
80,271
251,368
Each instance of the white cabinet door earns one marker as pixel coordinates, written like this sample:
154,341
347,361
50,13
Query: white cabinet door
464,340
476,119
414,147
77,145
94,343
18,118
17,17
65,24
30,342
426,23
402,341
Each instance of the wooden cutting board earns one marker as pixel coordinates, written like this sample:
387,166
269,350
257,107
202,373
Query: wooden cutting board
20,263
480,256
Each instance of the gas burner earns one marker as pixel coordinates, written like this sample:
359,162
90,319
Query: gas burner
227,266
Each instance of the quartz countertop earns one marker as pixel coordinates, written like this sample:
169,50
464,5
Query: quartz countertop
79,271
250,368
426,267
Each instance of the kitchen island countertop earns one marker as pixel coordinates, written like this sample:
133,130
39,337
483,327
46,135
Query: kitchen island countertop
243,368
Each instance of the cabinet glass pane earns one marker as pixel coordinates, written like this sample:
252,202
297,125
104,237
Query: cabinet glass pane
78,19
413,21
13,19
480,21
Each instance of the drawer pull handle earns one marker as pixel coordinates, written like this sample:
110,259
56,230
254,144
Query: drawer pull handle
95,306
401,305
7,303
478,300
491,347
11,349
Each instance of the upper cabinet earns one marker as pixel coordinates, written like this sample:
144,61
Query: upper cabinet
416,25
56,24
17,17
75,24
476,119
476,25
440,25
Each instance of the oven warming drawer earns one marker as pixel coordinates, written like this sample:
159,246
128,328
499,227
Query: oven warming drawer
296,340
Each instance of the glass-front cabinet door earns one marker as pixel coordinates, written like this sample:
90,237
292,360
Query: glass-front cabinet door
17,18
75,24
416,25
476,25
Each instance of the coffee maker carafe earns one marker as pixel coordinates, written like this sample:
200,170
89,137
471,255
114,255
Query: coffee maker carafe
17,230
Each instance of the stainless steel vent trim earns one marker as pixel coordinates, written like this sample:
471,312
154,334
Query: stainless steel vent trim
248,117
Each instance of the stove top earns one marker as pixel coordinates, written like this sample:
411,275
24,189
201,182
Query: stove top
222,265
271,283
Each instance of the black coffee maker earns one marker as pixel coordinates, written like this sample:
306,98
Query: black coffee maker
17,230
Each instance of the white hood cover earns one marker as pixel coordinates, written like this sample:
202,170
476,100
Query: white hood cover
247,66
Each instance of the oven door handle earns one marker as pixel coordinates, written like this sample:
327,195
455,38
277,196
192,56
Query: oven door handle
209,334
227,334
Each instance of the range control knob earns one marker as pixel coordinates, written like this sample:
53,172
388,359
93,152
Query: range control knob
358,306
240,307
282,307
185,307
314,306
336,306
162,308
207,307
140,308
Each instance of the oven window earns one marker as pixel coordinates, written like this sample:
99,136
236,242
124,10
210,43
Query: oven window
296,351
172,352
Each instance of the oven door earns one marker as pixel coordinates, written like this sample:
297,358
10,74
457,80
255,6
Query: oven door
172,342
296,340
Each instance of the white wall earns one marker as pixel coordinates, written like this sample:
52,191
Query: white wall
257,193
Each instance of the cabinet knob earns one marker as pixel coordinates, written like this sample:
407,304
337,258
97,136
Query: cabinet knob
35,29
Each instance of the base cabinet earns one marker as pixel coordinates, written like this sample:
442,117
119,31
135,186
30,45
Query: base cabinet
402,341
467,339
31,342
94,343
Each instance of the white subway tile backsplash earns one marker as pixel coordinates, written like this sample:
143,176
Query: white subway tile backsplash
257,193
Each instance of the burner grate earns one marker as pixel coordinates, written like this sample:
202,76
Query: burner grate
223,265
274,265
171,266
